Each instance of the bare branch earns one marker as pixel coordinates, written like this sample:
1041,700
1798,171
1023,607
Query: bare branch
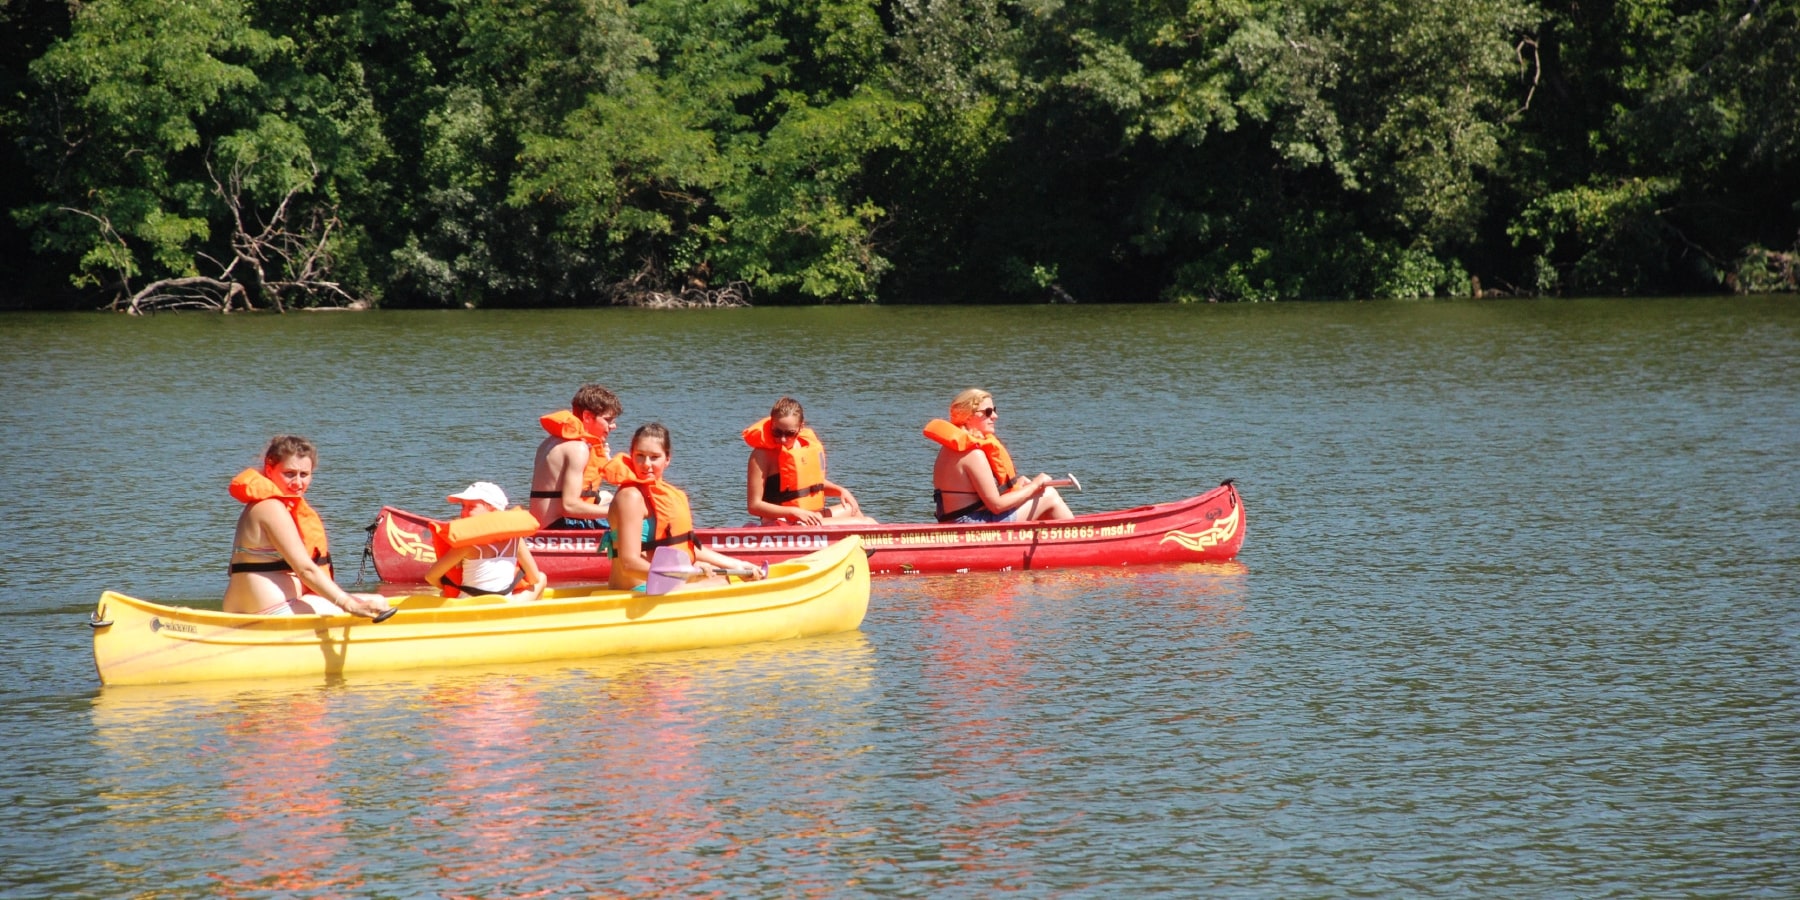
117,249
191,292
1536,66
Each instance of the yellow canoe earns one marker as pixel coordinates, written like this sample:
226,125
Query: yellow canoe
139,642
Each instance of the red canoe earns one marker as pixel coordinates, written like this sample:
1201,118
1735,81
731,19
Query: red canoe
1207,528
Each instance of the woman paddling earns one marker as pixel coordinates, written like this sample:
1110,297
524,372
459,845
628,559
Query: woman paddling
280,556
787,473
974,480
649,512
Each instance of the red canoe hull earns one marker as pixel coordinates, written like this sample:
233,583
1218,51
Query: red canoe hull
1207,528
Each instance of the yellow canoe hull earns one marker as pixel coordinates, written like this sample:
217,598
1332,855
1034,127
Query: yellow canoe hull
139,642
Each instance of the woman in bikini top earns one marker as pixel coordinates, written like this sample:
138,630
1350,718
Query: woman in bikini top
272,571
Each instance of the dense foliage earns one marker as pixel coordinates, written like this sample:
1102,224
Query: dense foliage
277,153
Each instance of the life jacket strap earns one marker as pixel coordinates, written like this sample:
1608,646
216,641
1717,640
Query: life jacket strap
557,495
937,501
274,565
782,497
686,537
518,581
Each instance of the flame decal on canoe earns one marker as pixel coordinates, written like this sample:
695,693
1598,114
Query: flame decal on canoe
1221,532
408,544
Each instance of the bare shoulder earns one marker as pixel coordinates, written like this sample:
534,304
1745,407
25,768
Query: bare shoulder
271,514
630,498
547,446
973,467
267,508
556,453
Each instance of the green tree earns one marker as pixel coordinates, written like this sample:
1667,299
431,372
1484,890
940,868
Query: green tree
958,64
1218,150
734,154
495,77
1667,148
177,175
464,152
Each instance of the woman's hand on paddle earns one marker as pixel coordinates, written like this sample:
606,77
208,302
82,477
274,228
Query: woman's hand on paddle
714,563
369,606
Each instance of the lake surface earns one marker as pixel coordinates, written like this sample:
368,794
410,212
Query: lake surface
1518,613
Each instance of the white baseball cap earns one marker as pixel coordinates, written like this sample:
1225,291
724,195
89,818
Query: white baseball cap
485,491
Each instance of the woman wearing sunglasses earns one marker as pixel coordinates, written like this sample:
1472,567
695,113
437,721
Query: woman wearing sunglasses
974,479
787,482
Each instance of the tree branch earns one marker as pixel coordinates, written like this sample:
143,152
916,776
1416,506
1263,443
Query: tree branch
1537,71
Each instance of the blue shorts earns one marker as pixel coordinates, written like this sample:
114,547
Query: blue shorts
983,516
569,524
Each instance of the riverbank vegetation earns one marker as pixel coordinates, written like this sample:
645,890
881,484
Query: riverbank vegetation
280,154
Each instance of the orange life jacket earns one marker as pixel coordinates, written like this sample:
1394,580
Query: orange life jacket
567,425
668,505
251,486
961,440
800,470
489,527
481,528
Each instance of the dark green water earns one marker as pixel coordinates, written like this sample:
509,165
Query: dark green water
1518,613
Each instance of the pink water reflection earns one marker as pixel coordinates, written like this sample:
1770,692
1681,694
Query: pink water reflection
974,683
654,776
485,804
277,767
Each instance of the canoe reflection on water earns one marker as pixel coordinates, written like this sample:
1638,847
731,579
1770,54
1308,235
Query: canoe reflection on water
524,773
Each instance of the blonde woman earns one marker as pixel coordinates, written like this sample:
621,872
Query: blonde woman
974,479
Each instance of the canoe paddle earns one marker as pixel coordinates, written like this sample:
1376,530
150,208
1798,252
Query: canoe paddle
671,568
696,571
1070,481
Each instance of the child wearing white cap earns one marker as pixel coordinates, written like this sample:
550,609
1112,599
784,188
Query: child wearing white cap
503,567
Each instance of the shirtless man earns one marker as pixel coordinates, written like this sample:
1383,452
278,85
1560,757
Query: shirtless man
565,474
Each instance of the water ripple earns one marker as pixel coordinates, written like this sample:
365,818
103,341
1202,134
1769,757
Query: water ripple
1516,615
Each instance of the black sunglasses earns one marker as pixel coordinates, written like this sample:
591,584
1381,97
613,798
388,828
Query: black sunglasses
989,412
782,434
